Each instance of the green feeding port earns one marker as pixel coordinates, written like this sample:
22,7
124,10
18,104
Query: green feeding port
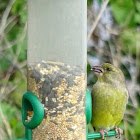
30,103
88,107
88,113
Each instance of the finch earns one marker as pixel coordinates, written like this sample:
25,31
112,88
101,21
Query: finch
109,99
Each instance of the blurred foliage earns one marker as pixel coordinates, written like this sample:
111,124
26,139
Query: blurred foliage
11,114
116,39
13,18
121,10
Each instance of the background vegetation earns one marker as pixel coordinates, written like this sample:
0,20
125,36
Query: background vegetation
116,39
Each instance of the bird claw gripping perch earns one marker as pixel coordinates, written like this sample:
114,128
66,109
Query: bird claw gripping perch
118,131
102,133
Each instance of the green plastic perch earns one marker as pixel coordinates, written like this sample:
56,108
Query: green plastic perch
97,135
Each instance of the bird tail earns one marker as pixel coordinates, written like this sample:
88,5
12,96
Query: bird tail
90,128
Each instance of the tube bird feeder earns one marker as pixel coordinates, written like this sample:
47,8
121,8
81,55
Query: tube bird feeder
57,66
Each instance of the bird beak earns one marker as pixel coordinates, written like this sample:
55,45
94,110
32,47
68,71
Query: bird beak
97,70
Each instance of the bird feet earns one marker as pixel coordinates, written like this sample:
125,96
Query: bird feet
102,133
119,131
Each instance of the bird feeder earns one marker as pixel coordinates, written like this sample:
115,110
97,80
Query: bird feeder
57,66
56,105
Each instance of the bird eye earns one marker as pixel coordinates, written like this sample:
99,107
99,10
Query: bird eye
108,69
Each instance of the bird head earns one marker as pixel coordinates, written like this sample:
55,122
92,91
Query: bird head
108,73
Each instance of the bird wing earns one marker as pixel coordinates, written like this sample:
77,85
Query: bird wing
108,106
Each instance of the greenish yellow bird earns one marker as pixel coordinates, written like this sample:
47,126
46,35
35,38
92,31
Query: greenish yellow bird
109,99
